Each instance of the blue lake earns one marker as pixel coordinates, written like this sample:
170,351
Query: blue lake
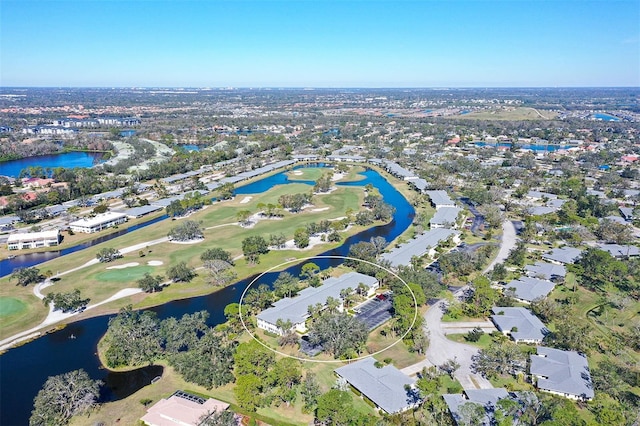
605,117
190,147
67,160
26,368
532,147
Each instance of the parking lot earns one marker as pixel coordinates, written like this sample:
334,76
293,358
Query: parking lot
374,312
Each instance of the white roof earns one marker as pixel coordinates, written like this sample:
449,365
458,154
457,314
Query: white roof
33,236
98,219
176,410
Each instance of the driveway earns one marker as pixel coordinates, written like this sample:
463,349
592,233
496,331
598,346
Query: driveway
442,349
507,243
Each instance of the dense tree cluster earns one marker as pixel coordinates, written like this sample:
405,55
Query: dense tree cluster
108,254
253,247
26,275
66,302
340,334
294,202
63,397
186,231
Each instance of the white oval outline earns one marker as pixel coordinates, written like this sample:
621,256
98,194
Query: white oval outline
415,314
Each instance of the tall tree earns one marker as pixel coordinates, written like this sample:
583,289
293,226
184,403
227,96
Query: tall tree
63,397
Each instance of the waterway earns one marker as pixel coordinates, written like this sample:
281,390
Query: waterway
605,117
67,160
26,368
31,259
532,147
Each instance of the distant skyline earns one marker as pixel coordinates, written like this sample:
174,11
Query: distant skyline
327,43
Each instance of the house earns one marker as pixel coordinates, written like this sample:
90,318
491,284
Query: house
487,398
617,250
546,271
346,158
137,212
419,246
538,195
181,409
101,221
445,217
627,213
564,373
520,324
526,289
440,199
296,309
388,388
33,240
541,210
562,256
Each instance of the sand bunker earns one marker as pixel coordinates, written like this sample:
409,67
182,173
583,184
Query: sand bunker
126,265
320,209
297,173
245,200
155,263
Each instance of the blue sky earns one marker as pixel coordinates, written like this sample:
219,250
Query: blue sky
327,43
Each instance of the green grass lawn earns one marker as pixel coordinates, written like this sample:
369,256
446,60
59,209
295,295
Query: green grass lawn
307,173
483,343
11,306
98,283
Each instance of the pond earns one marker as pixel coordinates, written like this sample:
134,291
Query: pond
67,160
26,368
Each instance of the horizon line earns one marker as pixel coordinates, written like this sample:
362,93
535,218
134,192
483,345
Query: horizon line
319,87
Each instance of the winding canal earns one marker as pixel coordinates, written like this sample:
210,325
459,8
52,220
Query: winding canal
24,370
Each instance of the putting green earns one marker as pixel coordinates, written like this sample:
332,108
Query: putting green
133,273
10,306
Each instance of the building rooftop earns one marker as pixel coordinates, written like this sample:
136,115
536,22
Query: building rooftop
417,246
295,309
98,219
528,326
141,210
385,386
545,270
563,255
445,216
30,236
440,198
617,250
565,372
181,409
530,289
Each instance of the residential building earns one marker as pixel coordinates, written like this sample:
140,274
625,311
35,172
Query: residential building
562,256
564,373
296,309
445,217
181,409
526,289
440,199
627,213
617,250
538,195
423,244
97,223
388,388
546,271
33,240
519,324
137,212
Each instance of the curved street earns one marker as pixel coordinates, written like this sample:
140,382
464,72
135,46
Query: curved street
441,349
